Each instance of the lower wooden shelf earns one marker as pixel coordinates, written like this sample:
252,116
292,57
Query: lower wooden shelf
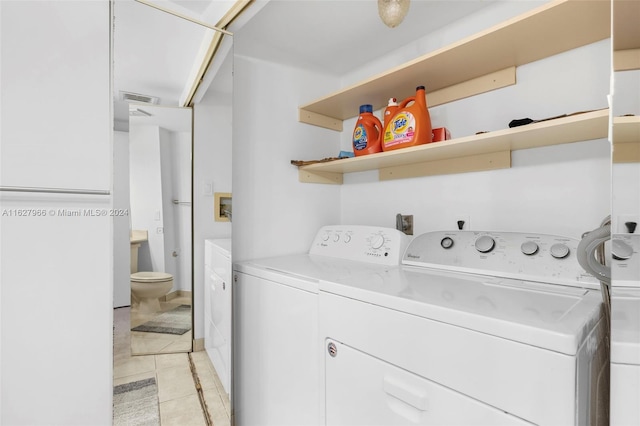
486,151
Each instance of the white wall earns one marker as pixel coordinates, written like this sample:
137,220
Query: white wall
56,271
273,213
121,241
146,194
212,166
562,190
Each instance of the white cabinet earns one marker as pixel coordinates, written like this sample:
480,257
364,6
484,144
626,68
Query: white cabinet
217,307
56,95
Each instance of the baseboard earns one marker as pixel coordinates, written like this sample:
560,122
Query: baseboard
198,345
175,294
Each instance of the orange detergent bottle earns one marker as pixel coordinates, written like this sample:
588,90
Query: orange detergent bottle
367,135
411,124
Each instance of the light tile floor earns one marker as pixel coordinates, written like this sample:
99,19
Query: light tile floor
177,394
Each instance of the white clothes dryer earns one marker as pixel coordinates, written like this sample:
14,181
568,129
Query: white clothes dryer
475,328
277,352
625,330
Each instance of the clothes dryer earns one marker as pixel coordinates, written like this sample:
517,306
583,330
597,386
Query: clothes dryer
277,352
475,328
625,330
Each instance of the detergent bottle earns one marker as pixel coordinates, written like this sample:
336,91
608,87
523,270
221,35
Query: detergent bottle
389,111
368,132
411,124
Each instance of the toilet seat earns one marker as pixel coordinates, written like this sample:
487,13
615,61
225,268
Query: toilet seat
151,277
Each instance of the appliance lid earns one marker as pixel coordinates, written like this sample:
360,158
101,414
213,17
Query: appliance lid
552,317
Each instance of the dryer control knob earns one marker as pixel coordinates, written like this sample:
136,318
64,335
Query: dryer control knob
559,251
325,237
336,238
529,248
446,243
485,244
621,250
347,238
376,241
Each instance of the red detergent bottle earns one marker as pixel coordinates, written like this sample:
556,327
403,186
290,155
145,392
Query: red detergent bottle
411,125
367,134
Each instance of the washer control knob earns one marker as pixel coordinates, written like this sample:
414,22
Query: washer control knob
621,250
485,244
336,238
529,248
376,241
559,251
325,237
446,243
347,238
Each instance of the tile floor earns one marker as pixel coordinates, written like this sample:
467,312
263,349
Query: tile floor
178,396
153,343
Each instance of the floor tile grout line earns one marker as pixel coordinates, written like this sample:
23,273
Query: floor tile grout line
196,381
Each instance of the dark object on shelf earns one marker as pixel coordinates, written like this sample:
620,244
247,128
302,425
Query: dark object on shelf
306,163
525,121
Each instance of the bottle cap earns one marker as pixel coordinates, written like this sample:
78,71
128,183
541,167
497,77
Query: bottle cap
393,102
366,108
420,88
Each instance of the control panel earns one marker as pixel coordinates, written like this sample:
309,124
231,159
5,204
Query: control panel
383,246
531,257
625,263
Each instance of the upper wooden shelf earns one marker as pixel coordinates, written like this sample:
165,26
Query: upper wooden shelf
473,65
626,35
626,139
486,151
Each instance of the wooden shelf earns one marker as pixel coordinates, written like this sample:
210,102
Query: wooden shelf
477,64
487,151
626,35
626,139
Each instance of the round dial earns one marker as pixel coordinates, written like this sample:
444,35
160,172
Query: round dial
529,248
347,238
325,237
446,243
336,238
376,241
559,251
621,250
485,244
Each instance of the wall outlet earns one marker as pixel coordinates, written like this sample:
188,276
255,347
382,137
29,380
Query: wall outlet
462,222
404,223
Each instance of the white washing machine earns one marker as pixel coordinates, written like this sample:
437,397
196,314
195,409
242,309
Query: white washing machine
277,352
625,330
217,307
476,328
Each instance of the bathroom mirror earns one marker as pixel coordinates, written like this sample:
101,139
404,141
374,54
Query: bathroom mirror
160,143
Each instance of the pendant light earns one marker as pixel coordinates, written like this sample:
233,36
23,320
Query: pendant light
392,12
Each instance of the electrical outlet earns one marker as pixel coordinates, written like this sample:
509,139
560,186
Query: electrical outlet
621,227
462,222
404,223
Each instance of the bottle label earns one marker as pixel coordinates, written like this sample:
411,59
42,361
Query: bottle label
359,138
400,130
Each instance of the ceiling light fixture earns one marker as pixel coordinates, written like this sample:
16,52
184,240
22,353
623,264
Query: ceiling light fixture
392,12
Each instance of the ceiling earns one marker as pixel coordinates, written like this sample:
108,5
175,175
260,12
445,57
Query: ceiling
155,52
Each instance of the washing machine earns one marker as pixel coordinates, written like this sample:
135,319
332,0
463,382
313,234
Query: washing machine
625,330
277,351
475,328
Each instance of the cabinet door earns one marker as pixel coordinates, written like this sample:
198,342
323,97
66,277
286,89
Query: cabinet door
55,94
364,390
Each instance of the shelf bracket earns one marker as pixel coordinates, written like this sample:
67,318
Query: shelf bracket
473,163
475,86
320,120
310,176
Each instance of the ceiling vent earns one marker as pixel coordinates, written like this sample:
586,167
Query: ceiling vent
137,97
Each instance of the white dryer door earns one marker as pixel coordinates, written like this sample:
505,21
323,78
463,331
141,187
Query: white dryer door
363,390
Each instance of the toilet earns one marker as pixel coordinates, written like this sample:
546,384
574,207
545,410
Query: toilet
147,288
